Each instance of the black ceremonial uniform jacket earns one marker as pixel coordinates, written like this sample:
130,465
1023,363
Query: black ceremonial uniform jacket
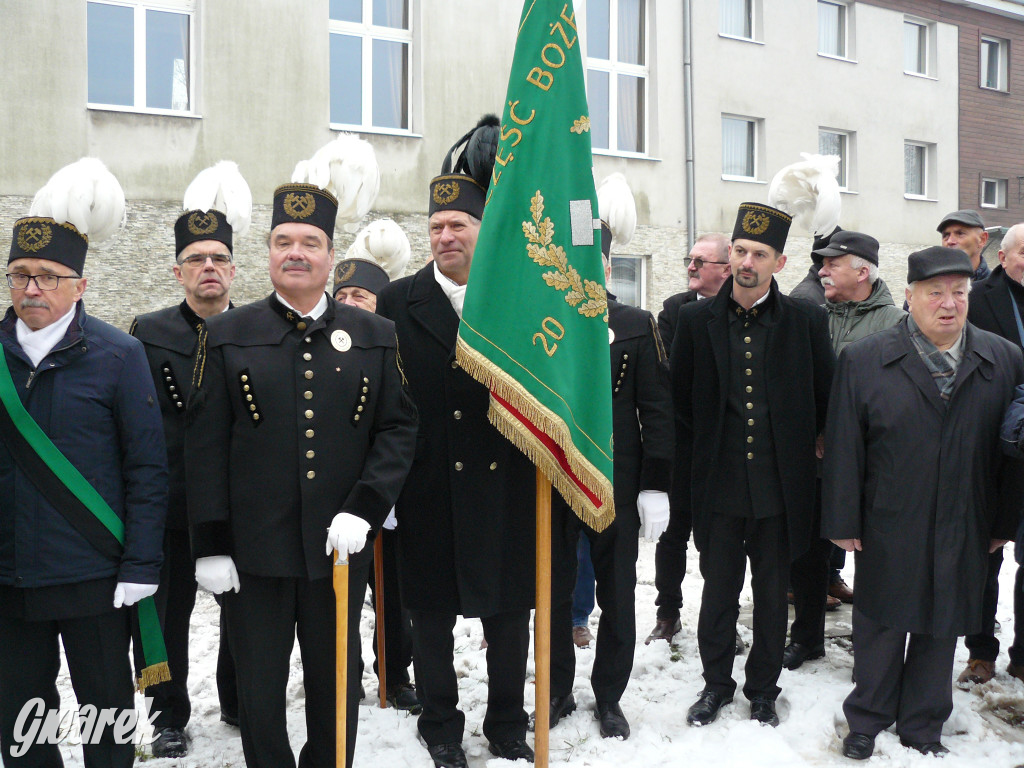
170,338
670,312
640,397
289,426
466,515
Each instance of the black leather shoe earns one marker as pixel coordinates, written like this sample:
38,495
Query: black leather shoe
514,749
403,696
858,746
558,707
763,711
664,629
705,710
170,742
796,654
613,722
926,747
229,719
448,756
740,645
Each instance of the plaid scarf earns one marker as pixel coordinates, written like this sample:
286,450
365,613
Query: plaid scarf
938,363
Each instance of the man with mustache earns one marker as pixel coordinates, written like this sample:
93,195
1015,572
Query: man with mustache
205,268
750,372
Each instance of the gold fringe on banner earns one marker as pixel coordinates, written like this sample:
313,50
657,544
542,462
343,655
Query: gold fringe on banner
495,379
158,673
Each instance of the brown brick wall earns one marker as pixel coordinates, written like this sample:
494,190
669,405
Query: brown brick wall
991,123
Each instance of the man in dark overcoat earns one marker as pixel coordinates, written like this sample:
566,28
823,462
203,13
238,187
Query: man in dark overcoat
204,266
300,436
466,514
914,483
750,372
996,306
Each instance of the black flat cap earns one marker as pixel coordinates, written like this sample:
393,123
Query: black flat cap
847,242
937,260
968,217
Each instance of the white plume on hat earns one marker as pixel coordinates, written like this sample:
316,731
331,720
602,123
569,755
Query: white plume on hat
808,191
222,188
86,195
617,208
384,243
347,168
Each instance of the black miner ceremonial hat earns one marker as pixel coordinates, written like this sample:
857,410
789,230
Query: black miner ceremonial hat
462,186
937,260
40,237
763,224
193,226
305,204
359,273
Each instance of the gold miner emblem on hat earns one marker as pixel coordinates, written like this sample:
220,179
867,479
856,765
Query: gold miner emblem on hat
299,206
755,223
35,238
344,271
446,192
200,223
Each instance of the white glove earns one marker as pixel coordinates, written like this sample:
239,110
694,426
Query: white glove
126,593
217,574
347,534
392,522
653,509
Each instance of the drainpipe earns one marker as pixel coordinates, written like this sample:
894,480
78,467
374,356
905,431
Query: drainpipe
691,202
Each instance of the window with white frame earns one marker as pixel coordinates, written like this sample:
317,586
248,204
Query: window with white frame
370,60
739,147
993,193
832,142
994,58
629,280
918,158
140,54
833,20
617,74
736,18
918,46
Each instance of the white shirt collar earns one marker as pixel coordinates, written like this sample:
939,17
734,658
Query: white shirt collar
319,309
456,293
38,344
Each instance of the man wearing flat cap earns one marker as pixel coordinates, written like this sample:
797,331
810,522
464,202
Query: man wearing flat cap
466,515
916,486
300,436
750,372
966,231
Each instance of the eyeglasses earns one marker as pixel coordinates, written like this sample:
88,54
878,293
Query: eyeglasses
19,281
699,262
198,260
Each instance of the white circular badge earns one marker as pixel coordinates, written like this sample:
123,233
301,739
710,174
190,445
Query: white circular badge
341,341
611,336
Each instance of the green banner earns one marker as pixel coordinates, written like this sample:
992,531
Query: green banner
535,321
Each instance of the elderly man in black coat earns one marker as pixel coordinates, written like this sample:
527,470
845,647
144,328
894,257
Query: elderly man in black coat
751,371
915,484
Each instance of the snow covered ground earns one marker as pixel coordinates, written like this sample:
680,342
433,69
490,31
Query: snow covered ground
665,681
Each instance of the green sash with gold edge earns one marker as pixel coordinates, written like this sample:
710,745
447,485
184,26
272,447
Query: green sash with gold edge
80,504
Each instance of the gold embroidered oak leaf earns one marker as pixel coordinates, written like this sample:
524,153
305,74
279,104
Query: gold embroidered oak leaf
556,280
593,308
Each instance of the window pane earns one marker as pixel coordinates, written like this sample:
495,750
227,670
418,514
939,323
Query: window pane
831,143
915,47
734,18
166,60
347,10
597,103
346,79
391,13
625,280
631,31
988,193
390,84
913,169
990,63
737,147
111,54
831,29
598,24
630,122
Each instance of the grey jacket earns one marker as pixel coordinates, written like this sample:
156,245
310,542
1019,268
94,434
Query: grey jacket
849,321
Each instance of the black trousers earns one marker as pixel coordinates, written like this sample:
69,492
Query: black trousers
508,642
175,599
731,541
263,619
899,681
670,562
808,575
1017,649
613,552
96,648
397,620
984,645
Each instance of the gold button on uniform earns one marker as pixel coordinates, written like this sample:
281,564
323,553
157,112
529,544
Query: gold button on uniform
494,465
458,466
244,378
308,374
306,356
248,398
750,406
309,433
750,422
310,454
746,339
455,363
309,414
300,325
245,388
252,407
308,395
749,372
750,438
308,339
255,417
750,456
747,355
749,390
311,474
458,414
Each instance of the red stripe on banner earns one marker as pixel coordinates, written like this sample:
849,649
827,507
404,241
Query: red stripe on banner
554,448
